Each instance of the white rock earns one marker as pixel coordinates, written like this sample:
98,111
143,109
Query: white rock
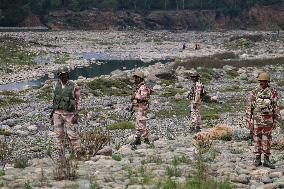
32,128
157,87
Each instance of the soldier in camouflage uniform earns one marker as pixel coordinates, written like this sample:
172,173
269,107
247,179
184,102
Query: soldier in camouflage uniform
65,111
262,113
195,97
140,104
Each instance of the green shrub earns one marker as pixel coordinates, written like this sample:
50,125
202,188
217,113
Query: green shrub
172,92
234,88
45,93
12,52
93,184
167,184
116,157
27,185
181,159
241,43
167,82
2,173
280,83
198,183
8,93
21,162
233,73
94,141
177,108
121,125
236,151
66,168
206,74
101,87
173,171
7,101
62,59
226,137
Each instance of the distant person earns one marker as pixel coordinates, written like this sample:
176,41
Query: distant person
195,97
262,114
183,46
65,111
197,46
140,104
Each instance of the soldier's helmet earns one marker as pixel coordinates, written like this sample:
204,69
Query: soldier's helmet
139,74
263,76
62,70
194,74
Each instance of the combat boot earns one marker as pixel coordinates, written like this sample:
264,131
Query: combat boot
268,164
137,141
192,129
147,141
197,129
257,161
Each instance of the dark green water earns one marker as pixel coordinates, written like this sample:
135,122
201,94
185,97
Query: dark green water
91,71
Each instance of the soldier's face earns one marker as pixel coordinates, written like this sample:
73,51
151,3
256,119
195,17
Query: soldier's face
194,79
137,80
263,84
64,77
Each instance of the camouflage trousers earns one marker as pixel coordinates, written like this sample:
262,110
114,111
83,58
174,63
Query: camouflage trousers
262,139
195,117
140,123
59,121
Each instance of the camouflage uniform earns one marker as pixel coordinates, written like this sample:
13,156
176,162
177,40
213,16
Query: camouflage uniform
65,115
195,97
263,112
140,101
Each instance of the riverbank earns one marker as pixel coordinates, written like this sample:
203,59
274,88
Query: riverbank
40,53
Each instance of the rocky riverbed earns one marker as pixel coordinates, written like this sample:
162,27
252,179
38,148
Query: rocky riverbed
43,52
175,159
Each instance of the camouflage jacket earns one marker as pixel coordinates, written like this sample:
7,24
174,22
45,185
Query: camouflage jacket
141,96
195,93
75,93
263,106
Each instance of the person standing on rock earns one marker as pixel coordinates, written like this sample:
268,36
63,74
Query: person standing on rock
65,111
140,104
263,113
195,97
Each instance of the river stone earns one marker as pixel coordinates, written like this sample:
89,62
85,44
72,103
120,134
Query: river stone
157,87
266,180
23,133
32,128
18,127
275,174
106,151
243,179
257,174
268,186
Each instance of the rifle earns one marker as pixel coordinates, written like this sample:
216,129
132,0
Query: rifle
51,116
132,112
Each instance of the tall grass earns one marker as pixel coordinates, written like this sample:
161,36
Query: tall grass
220,60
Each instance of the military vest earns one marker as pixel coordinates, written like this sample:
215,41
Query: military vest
64,98
191,94
264,102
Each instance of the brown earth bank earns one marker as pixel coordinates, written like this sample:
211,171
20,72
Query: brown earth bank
256,18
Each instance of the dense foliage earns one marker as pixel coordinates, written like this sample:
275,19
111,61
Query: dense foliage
13,12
